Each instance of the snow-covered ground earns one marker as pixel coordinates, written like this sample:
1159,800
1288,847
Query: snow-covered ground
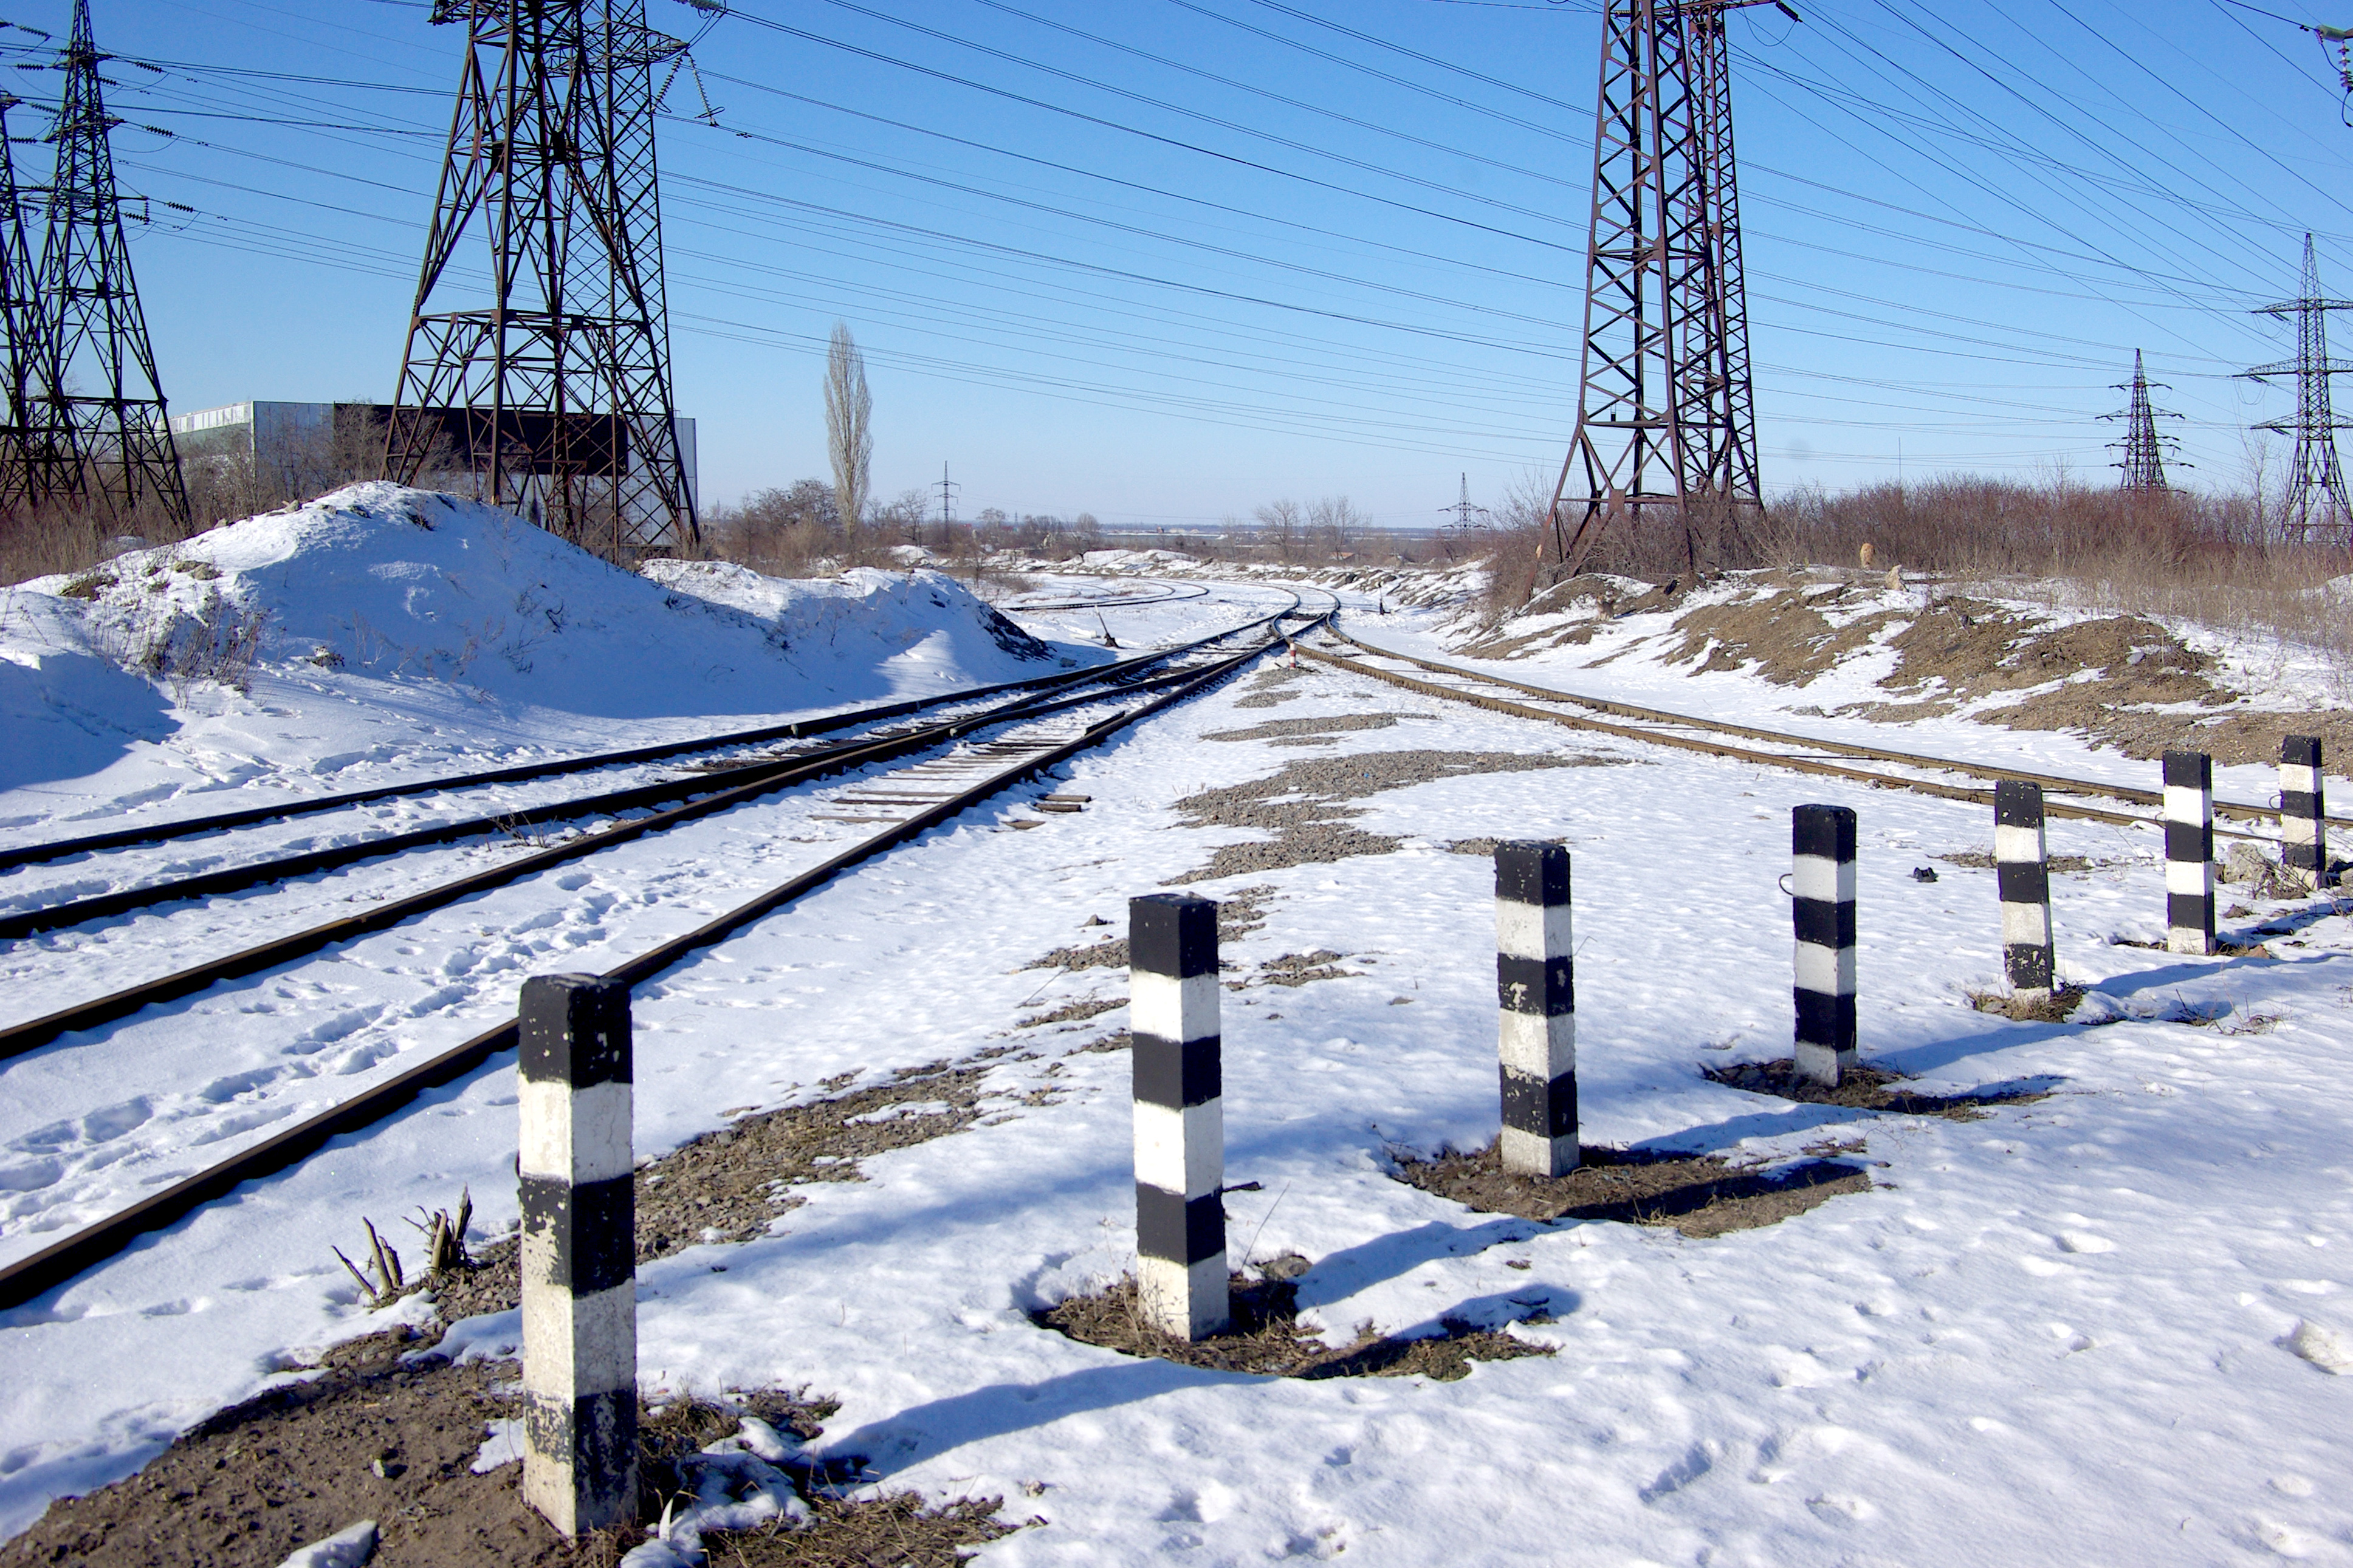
2098,1328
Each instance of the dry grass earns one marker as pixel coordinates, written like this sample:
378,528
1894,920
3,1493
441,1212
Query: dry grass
1871,1088
1267,1339
1698,1195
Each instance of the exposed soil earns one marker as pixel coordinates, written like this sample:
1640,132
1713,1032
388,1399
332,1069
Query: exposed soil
1239,912
369,1436
1268,687
1982,861
1870,1088
2118,671
730,1185
2052,1008
1698,1195
1267,1338
1300,804
1296,969
1074,1012
1295,730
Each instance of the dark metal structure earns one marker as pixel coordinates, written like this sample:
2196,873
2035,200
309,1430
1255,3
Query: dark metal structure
2143,446
1666,415
554,392
2315,509
28,369
101,436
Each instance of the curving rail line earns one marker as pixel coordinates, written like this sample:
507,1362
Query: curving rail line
1685,733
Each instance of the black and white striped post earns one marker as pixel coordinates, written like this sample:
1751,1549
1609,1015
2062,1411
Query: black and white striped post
1536,990
1180,1123
1821,907
2188,852
2022,873
2304,833
578,1254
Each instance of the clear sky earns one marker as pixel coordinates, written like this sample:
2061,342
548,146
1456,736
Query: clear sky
1168,259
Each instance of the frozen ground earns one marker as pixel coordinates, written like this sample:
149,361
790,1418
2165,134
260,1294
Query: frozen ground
2102,1327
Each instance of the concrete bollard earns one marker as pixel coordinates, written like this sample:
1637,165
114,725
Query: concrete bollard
2022,873
1536,990
2304,831
1180,1124
578,1254
1821,909
2188,852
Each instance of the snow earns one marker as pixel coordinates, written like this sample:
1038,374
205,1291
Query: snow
404,634
2097,1326
345,1548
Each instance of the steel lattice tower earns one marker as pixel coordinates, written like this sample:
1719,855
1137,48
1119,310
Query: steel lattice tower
557,391
1666,415
2315,503
111,444
2144,459
28,372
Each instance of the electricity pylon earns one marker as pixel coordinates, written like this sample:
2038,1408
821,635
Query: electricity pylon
2315,507
1665,415
111,444
1462,509
556,391
2144,449
29,369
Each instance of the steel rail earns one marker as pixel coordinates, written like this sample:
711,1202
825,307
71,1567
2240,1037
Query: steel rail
799,729
20,923
1169,594
18,1038
1846,748
94,1244
1725,748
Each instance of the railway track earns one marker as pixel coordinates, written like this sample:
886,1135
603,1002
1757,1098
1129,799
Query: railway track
711,790
936,780
1169,593
1912,771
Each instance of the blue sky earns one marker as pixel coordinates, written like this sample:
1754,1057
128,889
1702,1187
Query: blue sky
1168,259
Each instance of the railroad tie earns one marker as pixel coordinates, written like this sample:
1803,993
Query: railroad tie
2188,852
578,1253
1821,907
1535,988
2023,874
1180,1128
2304,833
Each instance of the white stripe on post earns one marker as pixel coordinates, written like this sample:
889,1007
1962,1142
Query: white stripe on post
2304,833
1821,912
2023,874
1180,1128
2188,852
578,1253
1535,989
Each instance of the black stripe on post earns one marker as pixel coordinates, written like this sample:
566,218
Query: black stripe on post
2303,829
578,1252
1822,920
1535,995
1180,1112
2188,852
2022,875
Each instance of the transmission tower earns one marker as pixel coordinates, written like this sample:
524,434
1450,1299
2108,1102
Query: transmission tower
1665,415
2317,508
947,489
556,392
102,434
28,369
2144,449
1462,509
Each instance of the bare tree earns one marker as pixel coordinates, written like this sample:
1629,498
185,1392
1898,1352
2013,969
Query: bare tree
1279,524
849,436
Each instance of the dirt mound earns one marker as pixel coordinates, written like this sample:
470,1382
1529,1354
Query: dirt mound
2122,680
1699,1194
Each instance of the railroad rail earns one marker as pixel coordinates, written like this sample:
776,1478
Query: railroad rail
1169,593
705,793
12,857
1657,727
930,793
